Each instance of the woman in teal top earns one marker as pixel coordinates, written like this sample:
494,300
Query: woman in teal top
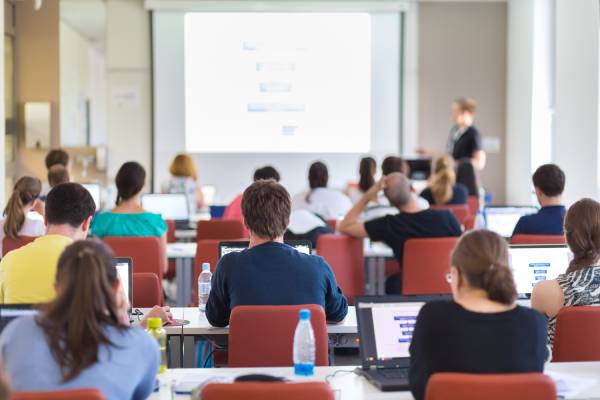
128,218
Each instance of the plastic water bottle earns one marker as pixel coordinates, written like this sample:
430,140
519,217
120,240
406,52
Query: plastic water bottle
204,286
304,346
155,329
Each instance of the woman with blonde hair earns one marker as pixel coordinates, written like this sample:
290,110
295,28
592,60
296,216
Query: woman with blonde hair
184,179
443,188
19,217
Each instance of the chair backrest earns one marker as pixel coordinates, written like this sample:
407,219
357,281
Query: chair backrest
538,239
207,251
9,244
344,255
524,386
473,203
268,391
332,224
576,337
425,265
460,211
263,336
171,231
76,394
147,291
145,252
221,229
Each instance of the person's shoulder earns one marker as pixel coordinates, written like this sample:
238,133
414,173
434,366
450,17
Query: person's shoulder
135,336
437,309
531,315
472,130
459,187
23,327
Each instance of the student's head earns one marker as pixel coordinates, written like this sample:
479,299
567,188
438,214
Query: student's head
318,176
57,156
582,230
183,165
130,180
85,304
549,182
25,193
463,111
393,164
480,261
266,207
443,181
70,205
265,173
397,190
367,170
467,175
58,174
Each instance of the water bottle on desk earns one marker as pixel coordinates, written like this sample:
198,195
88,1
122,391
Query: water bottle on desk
204,285
304,346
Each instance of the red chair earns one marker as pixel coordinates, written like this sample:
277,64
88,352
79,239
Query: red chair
538,239
268,391
9,244
524,386
171,271
576,336
221,229
460,211
345,257
263,336
207,251
76,394
473,203
425,265
332,224
147,291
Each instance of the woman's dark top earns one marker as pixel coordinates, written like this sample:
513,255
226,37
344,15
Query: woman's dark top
449,338
460,195
466,144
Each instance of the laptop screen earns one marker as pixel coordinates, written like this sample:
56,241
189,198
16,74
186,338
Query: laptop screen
503,220
125,273
303,246
9,312
171,206
533,263
94,190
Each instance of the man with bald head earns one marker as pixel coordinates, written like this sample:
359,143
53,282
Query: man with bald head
412,221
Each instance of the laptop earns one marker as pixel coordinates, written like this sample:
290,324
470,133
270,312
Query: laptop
420,168
173,206
124,268
385,328
303,246
503,219
531,264
9,312
94,189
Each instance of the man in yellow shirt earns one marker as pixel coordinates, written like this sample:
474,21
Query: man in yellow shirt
27,274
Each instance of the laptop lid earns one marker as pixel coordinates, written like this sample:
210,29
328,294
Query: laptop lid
385,328
303,246
9,312
503,219
533,263
172,206
94,189
420,168
124,266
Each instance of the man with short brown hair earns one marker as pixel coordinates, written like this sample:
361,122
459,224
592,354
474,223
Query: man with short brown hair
270,272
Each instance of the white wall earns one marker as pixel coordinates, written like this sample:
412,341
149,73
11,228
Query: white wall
232,172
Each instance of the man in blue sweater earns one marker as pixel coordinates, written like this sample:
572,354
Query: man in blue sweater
270,272
549,183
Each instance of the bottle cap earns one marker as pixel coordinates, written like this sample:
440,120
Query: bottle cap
154,323
205,267
304,314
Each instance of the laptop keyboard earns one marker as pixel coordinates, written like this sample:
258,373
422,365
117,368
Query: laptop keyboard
393,373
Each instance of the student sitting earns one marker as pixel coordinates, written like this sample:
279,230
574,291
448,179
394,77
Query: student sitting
184,179
271,272
549,183
321,200
57,157
443,188
128,218
579,285
82,339
57,174
482,330
393,164
234,209
394,230
366,172
19,217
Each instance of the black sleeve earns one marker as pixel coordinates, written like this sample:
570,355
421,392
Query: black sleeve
218,309
427,195
454,224
418,373
336,306
377,229
476,143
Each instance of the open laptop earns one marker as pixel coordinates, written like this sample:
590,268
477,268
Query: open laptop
124,267
94,189
385,328
303,246
420,168
503,219
9,312
533,263
173,206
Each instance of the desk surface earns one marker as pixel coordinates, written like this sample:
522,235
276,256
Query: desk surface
349,386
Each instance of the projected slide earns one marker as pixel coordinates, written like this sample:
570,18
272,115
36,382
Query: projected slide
531,265
278,82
